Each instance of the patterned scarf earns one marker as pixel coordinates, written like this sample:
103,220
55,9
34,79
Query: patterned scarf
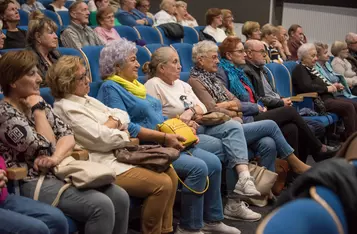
135,87
314,72
211,83
236,79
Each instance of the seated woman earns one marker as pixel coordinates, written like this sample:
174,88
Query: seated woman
100,130
251,30
271,44
128,15
294,128
214,21
282,37
32,5
9,14
342,66
227,23
183,17
42,39
306,79
144,7
34,217
106,21
101,4
119,69
32,136
57,5
167,13
324,68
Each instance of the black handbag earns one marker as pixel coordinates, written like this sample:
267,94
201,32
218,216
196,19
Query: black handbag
319,106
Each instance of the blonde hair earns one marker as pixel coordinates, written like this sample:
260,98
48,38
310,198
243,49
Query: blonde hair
181,4
160,56
39,24
337,47
61,77
163,4
320,47
268,29
249,27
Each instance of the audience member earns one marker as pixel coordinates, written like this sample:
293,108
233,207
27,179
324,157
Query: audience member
213,22
271,44
93,7
101,4
251,30
306,79
323,66
9,14
119,68
351,40
130,16
57,5
183,17
228,22
2,37
255,92
296,39
43,40
144,7
166,13
78,34
106,30
32,5
31,135
342,66
282,36
101,130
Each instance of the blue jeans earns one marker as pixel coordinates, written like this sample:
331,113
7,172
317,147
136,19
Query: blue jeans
194,170
23,215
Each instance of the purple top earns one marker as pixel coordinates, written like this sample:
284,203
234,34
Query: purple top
3,191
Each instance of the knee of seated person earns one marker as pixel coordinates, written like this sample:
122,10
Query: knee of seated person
56,220
166,184
102,205
199,169
231,124
268,143
270,123
35,227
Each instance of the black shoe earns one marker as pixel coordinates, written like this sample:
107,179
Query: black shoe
330,152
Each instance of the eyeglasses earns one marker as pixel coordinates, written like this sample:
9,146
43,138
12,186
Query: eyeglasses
263,52
352,43
239,51
83,77
213,57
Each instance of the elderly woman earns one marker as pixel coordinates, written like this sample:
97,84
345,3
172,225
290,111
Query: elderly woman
306,79
9,14
32,5
183,17
167,13
251,30
101,130
43,40
128,15
271,43
57,5
213,22
324,68
39,140
282,37
342,66
227,23
119,69
106,21
296,39
101,5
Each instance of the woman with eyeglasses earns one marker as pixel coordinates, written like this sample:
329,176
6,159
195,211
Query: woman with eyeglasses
183,17
106,21
228,22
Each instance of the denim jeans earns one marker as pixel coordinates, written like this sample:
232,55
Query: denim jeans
194,170
25,216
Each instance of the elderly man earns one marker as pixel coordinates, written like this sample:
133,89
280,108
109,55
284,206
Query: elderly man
130,16
296,39
78,34
351,40
166,15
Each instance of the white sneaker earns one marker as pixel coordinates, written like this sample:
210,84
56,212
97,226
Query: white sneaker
183,231
245,187
239,211
219,228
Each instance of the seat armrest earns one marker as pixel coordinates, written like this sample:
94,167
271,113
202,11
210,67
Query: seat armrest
297,98
312,95
82,155
16,173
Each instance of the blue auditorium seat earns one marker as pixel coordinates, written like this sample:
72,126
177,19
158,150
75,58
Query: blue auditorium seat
143,56
24,18
184,76
69,51
92,54
184,51
94,88
167,40
142,79
46,3
64,17
55,18
127,32
68,3
153,47
199,28
47,96
149,35
190,35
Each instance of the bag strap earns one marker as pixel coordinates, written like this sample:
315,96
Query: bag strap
183,183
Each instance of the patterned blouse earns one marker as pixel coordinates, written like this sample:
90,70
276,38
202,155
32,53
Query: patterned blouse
20,144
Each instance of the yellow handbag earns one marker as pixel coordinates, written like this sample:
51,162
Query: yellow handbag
176,126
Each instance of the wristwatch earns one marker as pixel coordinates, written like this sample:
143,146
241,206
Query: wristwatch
39,106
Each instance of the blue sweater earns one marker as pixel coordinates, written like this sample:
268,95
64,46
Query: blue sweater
129,18
142,112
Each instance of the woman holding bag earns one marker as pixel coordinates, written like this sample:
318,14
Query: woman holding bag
32,136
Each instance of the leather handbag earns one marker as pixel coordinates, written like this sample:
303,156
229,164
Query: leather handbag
264,179
212,118
176,126
152,157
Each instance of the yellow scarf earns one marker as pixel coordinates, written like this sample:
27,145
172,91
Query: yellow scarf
135,87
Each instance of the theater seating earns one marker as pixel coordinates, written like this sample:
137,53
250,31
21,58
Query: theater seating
24,18
153,47
184,51
64,18
91,55
149,34
190,35
143,56
127,32
167,40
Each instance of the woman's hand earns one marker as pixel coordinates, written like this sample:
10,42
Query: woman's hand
31,100
331,89
174,141
45,162
339,86
187,115
287,101
3,179
112,123
193,125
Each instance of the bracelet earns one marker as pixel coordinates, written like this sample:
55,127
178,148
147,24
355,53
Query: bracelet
193,111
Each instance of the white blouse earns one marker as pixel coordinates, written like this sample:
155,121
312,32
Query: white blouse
162,17
217,33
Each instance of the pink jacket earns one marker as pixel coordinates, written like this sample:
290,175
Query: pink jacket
3,192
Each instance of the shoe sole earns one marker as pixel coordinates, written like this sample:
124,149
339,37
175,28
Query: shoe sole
238,219
245,194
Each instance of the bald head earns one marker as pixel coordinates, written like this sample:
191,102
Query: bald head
255,51
351,40
252,44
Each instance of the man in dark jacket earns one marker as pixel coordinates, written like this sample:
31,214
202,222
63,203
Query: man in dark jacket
351,40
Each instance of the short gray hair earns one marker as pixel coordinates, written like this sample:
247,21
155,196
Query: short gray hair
202,48
115,53
304,49
163,4
349,37
337,47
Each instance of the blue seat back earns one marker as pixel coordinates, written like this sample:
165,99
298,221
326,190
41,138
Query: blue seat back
68,3
143,56
167,40
281,78
55,18
127,32
94,88
149,34
190,35
46,3
69,51
47,96
184,51
142,79
24,18
64,17
153,47
290,65
184,76
199,28
92,54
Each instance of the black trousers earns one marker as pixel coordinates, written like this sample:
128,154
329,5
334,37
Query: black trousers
296,132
